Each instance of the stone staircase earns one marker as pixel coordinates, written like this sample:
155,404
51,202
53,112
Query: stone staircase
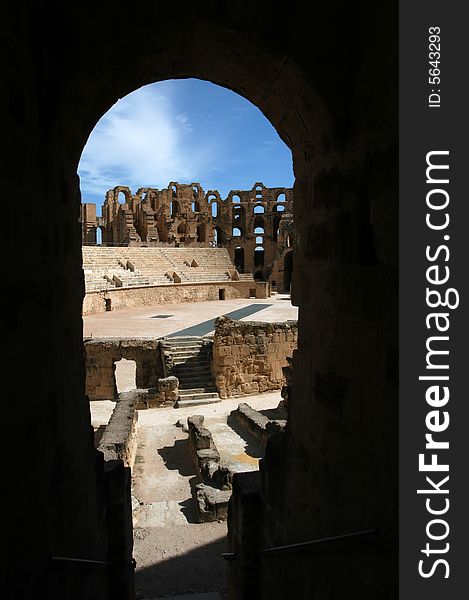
189,359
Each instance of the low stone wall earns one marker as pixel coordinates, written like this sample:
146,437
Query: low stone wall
213,494
206,455
257,424
101,354
248,356
135,297
165,394
119,440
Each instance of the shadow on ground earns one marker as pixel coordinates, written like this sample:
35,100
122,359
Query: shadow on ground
253,447
178,457
200,570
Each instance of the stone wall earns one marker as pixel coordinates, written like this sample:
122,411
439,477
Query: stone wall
248,356
135,297
184,215
328,84
119,440
101,356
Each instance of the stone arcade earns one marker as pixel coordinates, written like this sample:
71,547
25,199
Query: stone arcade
327,82
256,226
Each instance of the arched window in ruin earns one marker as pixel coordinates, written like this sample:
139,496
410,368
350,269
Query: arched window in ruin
195,191
121,199
239,258
258,193
237,232
258,222
217,236
238,215
287,271
201,233
174,191
259,230
99,236
195,207
214,209
278,208
236,198
259,240
174,208
259,256
275,228
281,197
259,209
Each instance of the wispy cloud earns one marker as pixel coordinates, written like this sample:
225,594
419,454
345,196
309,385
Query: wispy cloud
182,130
139,142
183,119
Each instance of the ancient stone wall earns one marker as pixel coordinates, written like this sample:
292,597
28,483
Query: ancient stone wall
95,302
248,356
249,223
328,84
101,356
119,440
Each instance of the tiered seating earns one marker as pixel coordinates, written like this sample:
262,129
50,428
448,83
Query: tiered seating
109,267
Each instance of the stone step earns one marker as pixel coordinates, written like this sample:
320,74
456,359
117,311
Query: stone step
194,357
200,387
196,382
192,374
189,362
184,338
186,348
206,389
184,368
187,355
196,401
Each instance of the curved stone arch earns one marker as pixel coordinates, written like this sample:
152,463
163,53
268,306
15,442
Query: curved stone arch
278,208
259,221
269,77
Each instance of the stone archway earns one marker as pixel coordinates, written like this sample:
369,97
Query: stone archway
62,82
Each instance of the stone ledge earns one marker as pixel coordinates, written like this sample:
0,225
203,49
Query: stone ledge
256,423
119,440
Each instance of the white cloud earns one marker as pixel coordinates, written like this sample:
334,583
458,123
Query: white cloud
139,142
184,121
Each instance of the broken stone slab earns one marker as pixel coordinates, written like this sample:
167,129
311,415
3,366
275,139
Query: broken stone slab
206,455
200,436
182,423
212,503
255,423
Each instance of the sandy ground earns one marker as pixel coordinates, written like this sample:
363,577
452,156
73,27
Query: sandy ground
144,322
174,553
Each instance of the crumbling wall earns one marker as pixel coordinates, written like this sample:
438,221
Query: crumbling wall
101,356
182,215
248,356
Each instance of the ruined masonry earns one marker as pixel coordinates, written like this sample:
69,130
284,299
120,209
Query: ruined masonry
255,226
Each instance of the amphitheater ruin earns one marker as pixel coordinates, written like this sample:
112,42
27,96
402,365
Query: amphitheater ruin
167,248
189,240
325,75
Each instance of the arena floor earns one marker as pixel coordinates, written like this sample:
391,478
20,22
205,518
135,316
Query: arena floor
165,319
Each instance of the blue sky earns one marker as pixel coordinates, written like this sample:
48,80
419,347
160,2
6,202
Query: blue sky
183,130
